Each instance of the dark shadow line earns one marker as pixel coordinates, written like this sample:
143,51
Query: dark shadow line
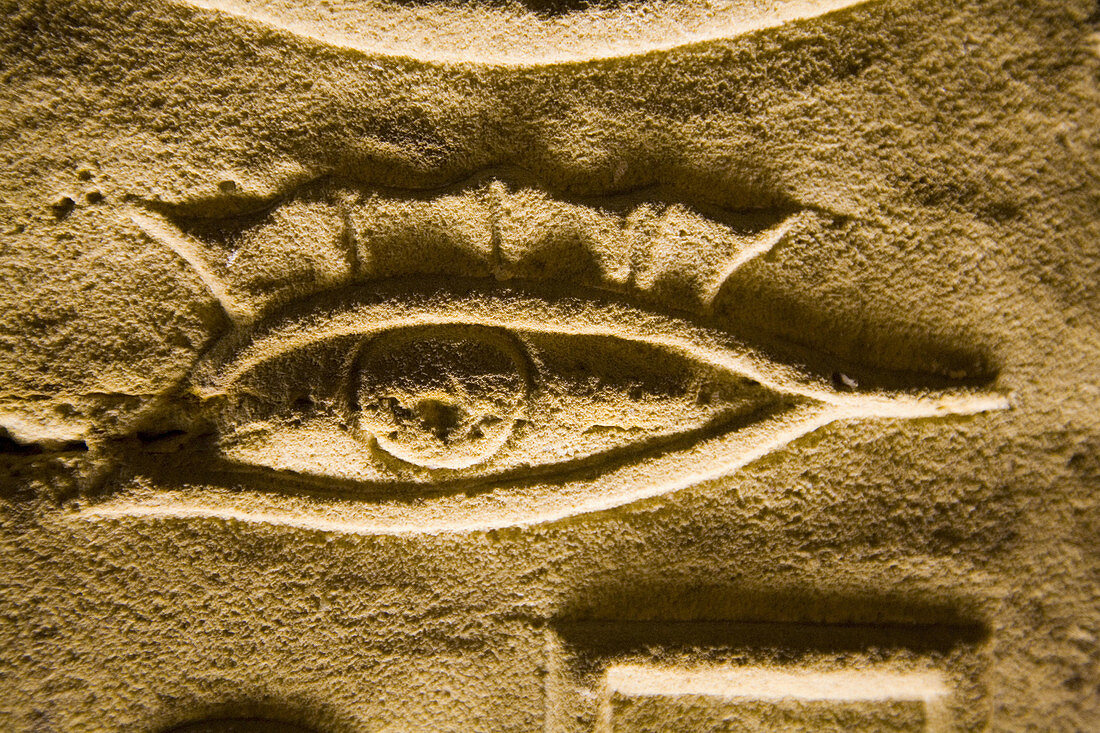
623,636
10,446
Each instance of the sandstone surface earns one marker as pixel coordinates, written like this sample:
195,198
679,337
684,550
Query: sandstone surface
549,365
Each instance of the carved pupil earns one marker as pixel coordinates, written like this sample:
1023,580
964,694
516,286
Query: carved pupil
441,397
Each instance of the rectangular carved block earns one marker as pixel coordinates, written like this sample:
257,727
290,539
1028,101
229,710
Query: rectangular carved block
686,676
652,698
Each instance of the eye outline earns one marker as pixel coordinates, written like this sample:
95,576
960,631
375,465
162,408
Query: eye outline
384,307
437,307
516,501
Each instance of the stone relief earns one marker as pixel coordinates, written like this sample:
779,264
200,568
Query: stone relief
493,346
239,725
543,437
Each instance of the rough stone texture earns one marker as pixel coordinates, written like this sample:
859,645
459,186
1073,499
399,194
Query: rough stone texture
809,292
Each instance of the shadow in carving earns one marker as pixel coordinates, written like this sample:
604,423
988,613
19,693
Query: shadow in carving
200,463
700,652
542,8
239,725
641,600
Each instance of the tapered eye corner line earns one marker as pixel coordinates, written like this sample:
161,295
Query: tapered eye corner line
860,406
160,230
808,425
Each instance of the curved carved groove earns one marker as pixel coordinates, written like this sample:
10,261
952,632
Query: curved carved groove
367,310
179,472
521,32
713,405
239,725
255,254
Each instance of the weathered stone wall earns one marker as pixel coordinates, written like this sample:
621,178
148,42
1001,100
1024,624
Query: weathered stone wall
626,366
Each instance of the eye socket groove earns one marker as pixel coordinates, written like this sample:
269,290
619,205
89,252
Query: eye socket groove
230,475
471,404
518,389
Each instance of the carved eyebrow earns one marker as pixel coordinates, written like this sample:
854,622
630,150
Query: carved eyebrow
598,29
734,239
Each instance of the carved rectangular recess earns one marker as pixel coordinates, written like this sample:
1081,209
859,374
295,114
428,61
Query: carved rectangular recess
651,697
686,676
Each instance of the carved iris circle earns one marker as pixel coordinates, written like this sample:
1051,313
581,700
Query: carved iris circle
448,397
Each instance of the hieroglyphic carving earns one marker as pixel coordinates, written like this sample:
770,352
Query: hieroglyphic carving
619,675
489,390
521,347
652,698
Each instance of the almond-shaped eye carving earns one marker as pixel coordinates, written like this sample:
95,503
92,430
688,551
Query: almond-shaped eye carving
488,356
393,393
381,403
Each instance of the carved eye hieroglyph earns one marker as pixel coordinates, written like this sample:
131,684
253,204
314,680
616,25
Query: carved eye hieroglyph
480,383
522,378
